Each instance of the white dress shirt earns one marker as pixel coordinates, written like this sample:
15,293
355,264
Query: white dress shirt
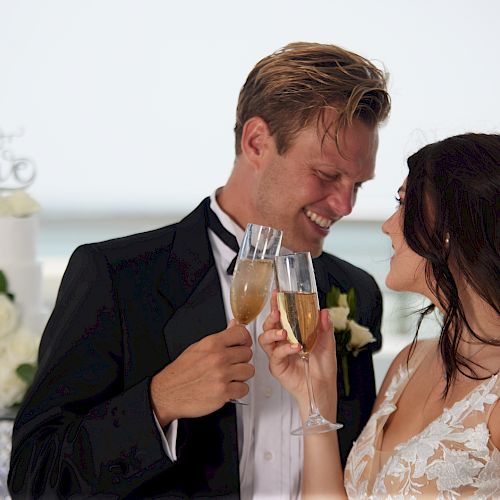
270,457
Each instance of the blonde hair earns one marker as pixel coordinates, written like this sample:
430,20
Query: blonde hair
297,84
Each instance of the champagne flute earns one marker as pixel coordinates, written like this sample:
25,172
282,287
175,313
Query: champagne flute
253,273
299,311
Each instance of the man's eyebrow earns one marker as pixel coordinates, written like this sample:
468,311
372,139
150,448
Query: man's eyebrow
401,189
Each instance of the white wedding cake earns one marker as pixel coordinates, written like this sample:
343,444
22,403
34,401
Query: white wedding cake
18,261
18,258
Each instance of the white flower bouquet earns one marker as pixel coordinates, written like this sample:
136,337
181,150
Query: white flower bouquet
350,336
18,203
18,351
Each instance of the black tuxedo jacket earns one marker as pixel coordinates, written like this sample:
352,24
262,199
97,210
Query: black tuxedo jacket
125,309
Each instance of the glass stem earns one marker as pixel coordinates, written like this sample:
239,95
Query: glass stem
313,409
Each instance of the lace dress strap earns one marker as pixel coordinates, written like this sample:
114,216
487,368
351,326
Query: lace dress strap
495,391
406,369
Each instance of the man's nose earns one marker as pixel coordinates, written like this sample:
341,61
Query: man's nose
341,200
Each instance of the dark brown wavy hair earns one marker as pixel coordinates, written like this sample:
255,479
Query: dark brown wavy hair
296,85
452,203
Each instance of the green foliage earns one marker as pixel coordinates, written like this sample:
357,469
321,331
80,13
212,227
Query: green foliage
3,282
342,338
351,302
26,372
4,286
332,297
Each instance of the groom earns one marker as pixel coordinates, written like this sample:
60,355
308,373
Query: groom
137,363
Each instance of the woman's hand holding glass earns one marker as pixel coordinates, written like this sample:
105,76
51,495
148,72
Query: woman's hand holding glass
306,327
289,369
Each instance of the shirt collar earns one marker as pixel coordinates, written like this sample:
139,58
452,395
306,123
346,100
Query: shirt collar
225,220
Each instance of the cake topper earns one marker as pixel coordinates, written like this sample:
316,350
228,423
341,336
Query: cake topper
15,172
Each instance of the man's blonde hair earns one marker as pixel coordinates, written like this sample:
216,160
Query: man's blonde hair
300,82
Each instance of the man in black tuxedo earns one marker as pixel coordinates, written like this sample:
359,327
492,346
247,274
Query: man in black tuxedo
138,363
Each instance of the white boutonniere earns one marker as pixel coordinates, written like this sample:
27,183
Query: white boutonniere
350,336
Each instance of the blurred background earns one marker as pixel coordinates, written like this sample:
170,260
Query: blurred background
127,109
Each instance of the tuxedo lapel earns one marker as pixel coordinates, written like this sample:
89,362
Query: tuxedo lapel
328,274
325,278
191,285
202,314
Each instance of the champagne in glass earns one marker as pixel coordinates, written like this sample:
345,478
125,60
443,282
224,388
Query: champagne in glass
299,316
299,312
253,273
250,288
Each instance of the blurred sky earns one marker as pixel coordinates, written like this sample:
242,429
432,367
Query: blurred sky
128,106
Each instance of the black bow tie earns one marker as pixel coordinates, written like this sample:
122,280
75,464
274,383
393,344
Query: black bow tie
228,238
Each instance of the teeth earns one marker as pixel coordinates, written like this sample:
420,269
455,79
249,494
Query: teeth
318,219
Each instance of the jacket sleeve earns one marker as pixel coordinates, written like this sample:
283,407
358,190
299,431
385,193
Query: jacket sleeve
80,430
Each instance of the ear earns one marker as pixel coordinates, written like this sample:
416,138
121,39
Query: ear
256,140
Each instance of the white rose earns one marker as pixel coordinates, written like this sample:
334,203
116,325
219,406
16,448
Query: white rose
21,204
9,316
22,347
338,316
15,350
360,336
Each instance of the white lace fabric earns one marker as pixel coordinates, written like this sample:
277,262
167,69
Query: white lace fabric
452,457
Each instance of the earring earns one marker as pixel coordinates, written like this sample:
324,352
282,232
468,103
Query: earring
447,240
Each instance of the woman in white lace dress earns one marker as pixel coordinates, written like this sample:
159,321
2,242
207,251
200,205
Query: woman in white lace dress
435,426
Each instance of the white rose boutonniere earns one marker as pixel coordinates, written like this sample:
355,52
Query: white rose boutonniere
350,337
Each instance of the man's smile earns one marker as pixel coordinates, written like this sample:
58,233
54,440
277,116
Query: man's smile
321,221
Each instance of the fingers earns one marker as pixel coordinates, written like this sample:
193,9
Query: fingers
272,320
241,372
276,346
236,354
325,334
269,338
235,334
237,390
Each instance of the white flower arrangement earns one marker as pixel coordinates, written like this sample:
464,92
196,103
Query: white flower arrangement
18,203
18,351
350,337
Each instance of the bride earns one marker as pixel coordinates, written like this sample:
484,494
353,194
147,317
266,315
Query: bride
435,426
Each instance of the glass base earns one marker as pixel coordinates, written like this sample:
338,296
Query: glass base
316,424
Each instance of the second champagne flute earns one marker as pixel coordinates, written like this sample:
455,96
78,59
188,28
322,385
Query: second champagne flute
299,312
